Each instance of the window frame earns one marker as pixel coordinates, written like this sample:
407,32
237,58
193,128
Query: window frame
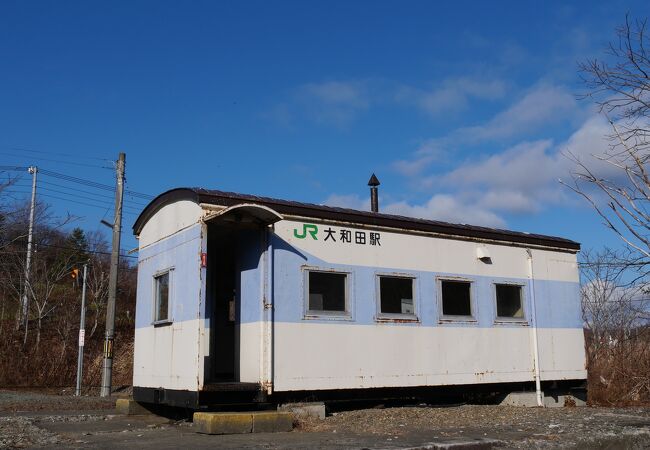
154,320
453,318
523,294
396,317
329,315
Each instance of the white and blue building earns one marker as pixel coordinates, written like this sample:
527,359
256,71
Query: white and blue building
238,293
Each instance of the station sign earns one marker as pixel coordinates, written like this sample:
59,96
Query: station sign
337,235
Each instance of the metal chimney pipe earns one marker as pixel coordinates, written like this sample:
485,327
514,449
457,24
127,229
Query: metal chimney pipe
374,193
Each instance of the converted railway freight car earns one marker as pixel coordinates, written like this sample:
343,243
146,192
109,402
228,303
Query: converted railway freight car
238,293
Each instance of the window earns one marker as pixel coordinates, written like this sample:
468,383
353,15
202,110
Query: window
161,292
396,295
509,301
456,298
327,292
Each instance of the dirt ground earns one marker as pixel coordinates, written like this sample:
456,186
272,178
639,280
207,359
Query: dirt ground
54,418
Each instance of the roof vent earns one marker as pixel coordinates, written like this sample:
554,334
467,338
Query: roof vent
374,193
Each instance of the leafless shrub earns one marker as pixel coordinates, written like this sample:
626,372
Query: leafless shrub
614,309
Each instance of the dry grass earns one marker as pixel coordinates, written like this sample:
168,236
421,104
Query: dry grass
54,362
619,372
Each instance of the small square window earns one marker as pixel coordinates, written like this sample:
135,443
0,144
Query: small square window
161,286
327,292
396,295
509,301
456,298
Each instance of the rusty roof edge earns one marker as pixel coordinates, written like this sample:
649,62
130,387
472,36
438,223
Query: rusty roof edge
389,220
201,195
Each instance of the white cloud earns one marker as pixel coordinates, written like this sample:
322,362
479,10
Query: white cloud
521,179
441,207
341,102
336,103
520,167
453,95
542,105
339,93
524,178
426,153
447,208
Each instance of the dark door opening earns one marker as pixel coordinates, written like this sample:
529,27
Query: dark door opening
222,289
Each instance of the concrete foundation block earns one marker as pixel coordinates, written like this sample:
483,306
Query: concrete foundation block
314,410
129,407
242,422
529,399
559,401
272,422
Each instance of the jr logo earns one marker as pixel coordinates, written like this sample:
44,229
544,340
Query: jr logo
307,228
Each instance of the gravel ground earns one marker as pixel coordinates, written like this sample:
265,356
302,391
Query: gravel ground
53,419
516,427
15,400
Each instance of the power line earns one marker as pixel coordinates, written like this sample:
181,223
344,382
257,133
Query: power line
22,149
76,192
61,247
93,184
80,181
132,212
39,158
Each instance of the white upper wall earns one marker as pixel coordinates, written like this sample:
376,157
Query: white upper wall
417,252
168,220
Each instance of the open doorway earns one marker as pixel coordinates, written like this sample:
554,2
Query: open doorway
236,240
223,300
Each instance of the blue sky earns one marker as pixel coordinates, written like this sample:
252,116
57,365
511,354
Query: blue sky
462,109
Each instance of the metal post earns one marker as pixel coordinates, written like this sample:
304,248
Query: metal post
533,321
82,334
25,303
107,373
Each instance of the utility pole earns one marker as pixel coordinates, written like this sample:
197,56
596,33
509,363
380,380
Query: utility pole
107,374
82,334
25,303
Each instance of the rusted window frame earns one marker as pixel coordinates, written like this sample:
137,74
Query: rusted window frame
309,314
397,317
473,307
523,295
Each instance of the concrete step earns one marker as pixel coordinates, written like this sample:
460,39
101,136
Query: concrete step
242,422
130,407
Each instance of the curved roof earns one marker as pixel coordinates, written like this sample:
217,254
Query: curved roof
310,210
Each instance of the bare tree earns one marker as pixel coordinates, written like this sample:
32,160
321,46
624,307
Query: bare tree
47,275
617,184
97,282
615,285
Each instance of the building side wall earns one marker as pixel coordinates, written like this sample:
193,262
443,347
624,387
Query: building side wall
167,355
360,351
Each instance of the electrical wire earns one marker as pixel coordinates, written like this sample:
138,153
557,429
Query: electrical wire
125,210
96,252
39,158
82,181
93,184
134,204
22,149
